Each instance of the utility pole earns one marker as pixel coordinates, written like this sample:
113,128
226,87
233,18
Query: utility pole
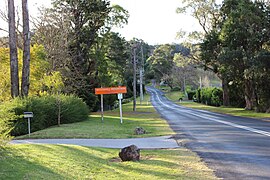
26,50
134,78
141,76
14,75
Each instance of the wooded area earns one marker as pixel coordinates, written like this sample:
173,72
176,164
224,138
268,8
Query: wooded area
73,50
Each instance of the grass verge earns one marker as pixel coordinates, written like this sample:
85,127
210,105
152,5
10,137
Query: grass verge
77,162
145,117
224,110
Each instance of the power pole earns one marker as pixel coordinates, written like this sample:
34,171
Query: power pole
26,50
134,78
141,76
14,75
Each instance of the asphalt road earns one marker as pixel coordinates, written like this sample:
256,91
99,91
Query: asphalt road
234,147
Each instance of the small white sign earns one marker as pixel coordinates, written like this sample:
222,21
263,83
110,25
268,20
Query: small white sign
28,114
120,96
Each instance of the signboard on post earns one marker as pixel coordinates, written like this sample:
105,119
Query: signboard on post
28,115
112,90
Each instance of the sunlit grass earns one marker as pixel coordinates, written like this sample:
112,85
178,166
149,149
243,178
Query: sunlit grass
175,95
77,162
145,117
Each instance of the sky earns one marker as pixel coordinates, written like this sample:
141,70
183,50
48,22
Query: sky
154,21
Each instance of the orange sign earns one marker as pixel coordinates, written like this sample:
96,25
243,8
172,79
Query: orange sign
111,90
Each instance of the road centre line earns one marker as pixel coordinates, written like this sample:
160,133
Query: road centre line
220,121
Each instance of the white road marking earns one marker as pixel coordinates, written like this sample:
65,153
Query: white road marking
220,121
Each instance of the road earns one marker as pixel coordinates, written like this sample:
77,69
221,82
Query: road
234,147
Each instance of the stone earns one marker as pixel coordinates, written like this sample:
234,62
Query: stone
139,130
130,153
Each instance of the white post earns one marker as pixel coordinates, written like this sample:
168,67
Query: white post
102,112
120,96
29,131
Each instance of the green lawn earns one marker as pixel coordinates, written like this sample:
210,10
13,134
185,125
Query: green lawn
145,117
174,95
77,162
224,110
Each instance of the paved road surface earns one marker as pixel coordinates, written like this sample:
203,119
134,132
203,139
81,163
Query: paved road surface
142,143
236,148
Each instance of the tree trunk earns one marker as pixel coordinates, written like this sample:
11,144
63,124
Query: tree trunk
14,77
225,88
26,50
250,97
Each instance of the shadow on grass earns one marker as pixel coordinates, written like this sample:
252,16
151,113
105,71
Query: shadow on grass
14,164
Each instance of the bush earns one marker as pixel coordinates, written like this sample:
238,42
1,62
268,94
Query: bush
209,96
45,109
217,97
191,94
198,96
5,127
206,94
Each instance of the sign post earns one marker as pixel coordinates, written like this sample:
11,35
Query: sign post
112,90
101,104
28,115
120,97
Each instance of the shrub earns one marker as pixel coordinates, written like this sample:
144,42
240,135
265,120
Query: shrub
209,96
206,94
198,96
191,94
5,126
45,109
217,97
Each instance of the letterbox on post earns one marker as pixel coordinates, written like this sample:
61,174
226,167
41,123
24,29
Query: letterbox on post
28,115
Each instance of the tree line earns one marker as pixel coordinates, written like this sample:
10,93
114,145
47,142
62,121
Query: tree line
233,44
79,51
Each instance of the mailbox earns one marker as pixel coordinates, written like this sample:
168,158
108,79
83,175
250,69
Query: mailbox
28,114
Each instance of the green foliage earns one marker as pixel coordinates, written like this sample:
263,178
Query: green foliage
5,127
45,109
161,62
209,96
236,49
216,97
191,94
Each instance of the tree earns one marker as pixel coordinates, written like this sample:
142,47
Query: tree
13,50
207,13
161,62
237,42
26,50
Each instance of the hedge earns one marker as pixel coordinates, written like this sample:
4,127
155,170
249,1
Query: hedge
45,110
210,96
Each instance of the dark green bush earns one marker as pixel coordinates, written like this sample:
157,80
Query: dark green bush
210,96
45,109
191,94
206,94
217,97
198,96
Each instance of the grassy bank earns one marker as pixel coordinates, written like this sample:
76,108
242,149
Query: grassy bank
224,110
77,162
145,117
